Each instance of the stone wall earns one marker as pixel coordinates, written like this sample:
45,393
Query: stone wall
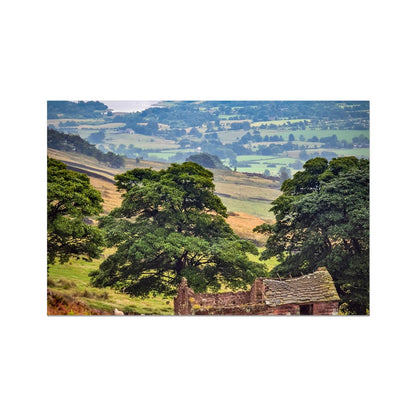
250,302
257,292
181,303
247,309
187,302
220,299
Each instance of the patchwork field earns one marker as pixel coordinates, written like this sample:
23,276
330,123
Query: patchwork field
118,139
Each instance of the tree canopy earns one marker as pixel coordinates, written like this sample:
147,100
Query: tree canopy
71,199
322,219
171,225
207,161
74,143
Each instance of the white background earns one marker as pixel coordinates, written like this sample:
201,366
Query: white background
155,50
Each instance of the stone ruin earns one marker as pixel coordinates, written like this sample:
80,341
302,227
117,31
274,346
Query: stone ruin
312,294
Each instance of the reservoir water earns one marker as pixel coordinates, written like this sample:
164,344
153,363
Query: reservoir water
128,106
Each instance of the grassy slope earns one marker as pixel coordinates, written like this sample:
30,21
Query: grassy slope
239,192
246,194
72,281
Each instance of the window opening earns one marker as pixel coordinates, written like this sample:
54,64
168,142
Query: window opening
306,309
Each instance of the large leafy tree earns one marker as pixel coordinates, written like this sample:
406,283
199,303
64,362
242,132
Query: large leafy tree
322,219
171,225
71,200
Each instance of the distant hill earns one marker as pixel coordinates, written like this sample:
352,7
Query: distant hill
208,161
72,109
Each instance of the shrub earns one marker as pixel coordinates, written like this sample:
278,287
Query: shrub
102,295
66,284
51,282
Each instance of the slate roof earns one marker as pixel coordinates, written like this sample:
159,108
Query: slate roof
314,287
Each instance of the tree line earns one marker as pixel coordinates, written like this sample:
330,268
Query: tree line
74,143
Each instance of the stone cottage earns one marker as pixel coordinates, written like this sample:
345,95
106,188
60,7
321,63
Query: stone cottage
312,294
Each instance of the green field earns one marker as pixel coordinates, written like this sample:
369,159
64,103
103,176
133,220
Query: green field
259,209
230,136
139,140
166,154
270,263
258,163
365,152
72,280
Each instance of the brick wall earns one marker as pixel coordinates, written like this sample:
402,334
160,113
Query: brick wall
319,308
326,308
283,310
